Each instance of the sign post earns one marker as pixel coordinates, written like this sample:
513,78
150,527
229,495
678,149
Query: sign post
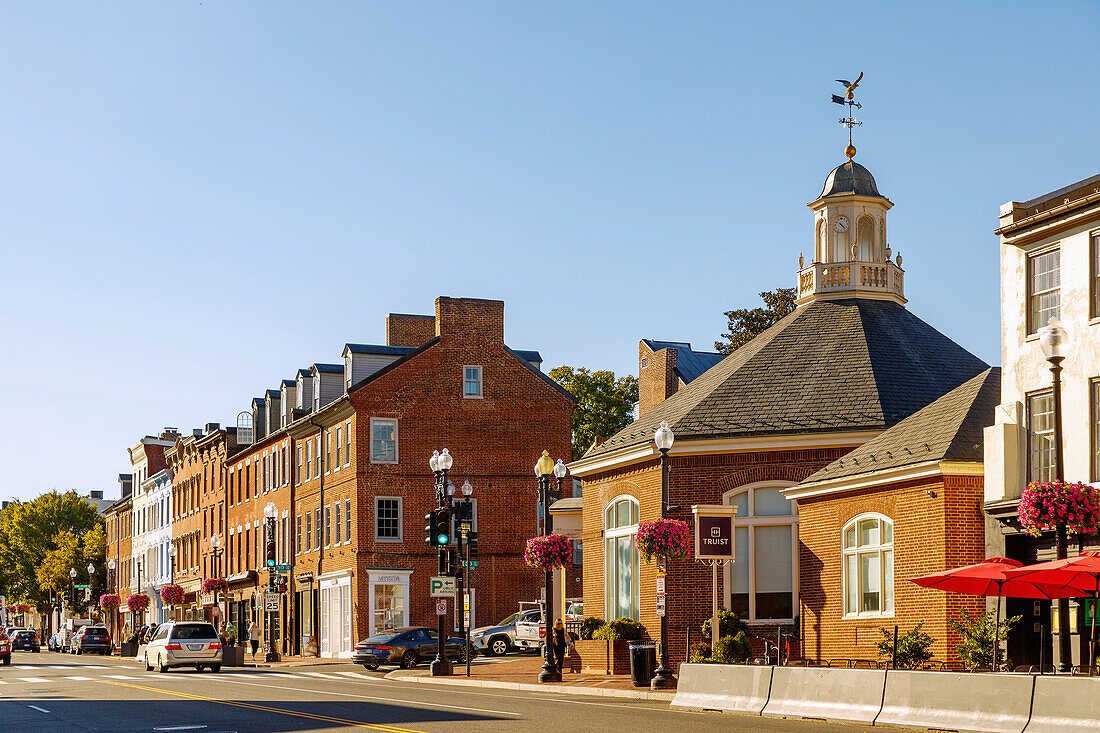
714,544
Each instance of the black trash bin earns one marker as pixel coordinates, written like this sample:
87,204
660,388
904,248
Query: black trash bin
643,660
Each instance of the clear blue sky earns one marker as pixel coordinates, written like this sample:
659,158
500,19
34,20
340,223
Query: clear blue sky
197,199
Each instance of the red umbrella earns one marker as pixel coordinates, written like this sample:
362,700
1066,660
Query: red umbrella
990,578
1079,575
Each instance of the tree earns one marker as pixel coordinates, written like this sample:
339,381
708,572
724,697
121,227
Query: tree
605,405
745,324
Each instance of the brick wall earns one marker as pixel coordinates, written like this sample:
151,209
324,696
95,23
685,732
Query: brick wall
931,533
657,380
408,330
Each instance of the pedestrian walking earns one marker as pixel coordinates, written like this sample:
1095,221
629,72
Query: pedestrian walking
559,643
254,637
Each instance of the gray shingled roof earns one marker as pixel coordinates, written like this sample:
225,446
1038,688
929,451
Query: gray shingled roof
690,364
948,429
854,364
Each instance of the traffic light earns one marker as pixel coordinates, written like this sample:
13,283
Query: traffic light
270,551
441,525
471,542
282,587
429,528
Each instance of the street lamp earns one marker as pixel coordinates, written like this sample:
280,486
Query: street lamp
72,589
111,565
440,464
1055,343
543,470
662,677
172,561
215,545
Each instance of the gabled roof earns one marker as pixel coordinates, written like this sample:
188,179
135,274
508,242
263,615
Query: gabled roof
690,364
378,349
329,368
948,429
840,365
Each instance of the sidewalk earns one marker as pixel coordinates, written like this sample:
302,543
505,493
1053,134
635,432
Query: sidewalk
521,673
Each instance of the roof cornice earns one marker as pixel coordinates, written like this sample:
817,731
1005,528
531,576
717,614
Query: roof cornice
870,479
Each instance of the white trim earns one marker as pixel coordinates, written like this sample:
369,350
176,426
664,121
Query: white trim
396,440
480,382
750,522
891,475
630,530
646,451
856,552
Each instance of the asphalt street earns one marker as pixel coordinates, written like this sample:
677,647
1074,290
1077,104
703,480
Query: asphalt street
56,693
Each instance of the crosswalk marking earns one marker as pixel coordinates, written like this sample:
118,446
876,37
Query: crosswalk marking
121,677
322,675
24,666
78,679
59,666
94,666
33,679
356,675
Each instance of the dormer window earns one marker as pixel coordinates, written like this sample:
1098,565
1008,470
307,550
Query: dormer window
471,382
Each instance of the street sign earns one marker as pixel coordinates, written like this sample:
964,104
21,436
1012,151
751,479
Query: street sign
281,568
441,607
660,605
85,586
271,601
714,531
469,563
660,585
442,586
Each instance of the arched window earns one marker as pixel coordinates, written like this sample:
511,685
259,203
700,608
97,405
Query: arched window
865,236
869,566
840,246
620,521
819,255
761,585
882,238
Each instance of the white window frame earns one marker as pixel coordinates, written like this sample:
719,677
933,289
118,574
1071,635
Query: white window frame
396,439
750,523
880,548
297,534
337,525
400,517
347,521
1033,295
347,443
480,382
610,562
298,472
339,447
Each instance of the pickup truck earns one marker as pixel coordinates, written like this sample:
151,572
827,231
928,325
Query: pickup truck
531,633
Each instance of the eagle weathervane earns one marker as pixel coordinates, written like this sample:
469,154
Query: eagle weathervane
850,121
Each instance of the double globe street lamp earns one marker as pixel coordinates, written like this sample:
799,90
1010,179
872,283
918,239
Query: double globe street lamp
662,677
544,469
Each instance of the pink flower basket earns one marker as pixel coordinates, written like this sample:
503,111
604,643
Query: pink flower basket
137,602
549,551
1044,506
664,539
214,585
109,601
172,594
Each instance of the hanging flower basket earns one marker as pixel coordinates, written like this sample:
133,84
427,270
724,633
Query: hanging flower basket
137,602
214,585
663,539
1044,506
172,594
109,601
549,551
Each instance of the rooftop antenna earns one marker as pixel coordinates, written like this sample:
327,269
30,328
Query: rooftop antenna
850,121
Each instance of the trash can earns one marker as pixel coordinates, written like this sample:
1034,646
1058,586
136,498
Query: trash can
643,660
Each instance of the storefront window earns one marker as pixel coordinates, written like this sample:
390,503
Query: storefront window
621,559
761,582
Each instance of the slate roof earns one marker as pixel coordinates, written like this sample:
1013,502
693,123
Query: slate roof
948,429
378,349
850,178
839,365
690,364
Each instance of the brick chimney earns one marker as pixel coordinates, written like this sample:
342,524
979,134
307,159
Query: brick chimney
403,329
470,318
657,380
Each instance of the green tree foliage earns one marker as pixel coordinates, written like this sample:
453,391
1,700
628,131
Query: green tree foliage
977,638
913,647
729,624
40,540
604,404
745,324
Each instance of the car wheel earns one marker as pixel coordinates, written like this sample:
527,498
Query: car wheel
7,659
148,667
498,646
409,659
161,666
215,668
372,666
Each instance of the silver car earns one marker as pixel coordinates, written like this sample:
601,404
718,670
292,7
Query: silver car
184,644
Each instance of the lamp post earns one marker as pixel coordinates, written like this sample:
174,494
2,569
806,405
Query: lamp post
1055,342
112,586
172,563
216,546
662,677
270,513
441,463
543,470
72,591
88,593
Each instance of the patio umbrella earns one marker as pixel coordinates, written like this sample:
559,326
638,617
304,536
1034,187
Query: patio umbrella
1079,574
990,578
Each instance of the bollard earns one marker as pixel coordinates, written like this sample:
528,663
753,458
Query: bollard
895,661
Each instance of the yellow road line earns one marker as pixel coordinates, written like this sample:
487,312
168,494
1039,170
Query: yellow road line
265,708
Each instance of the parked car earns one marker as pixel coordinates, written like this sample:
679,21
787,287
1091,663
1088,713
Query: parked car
27,640
184,644
407,647
501,638
5,647
91,639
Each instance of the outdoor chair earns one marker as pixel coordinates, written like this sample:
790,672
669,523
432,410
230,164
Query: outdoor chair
863,664
884,664
932,665
840,663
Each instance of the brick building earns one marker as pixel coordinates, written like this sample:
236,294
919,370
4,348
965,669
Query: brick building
342,451
849,363
118,525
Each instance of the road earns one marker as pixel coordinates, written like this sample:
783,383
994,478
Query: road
56,693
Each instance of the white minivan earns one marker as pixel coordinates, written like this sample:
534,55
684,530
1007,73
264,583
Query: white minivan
184,644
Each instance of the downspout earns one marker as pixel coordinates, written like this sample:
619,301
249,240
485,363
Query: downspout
320,545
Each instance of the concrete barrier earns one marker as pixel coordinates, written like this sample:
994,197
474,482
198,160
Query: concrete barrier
852,695
1064,705
730,688
991,703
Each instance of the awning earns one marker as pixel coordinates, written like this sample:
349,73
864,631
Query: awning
237,578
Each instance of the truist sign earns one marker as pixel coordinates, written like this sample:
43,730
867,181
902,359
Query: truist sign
714,532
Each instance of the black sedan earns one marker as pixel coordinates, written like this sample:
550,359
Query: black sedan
26,640
407,647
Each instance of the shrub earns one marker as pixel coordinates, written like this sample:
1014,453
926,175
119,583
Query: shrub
729,624
977,633
590,625
913,647
700,653
620,628
733,649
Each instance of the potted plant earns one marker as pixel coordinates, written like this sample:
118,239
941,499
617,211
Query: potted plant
663,539
171,594
548,552
1047,505
232,655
